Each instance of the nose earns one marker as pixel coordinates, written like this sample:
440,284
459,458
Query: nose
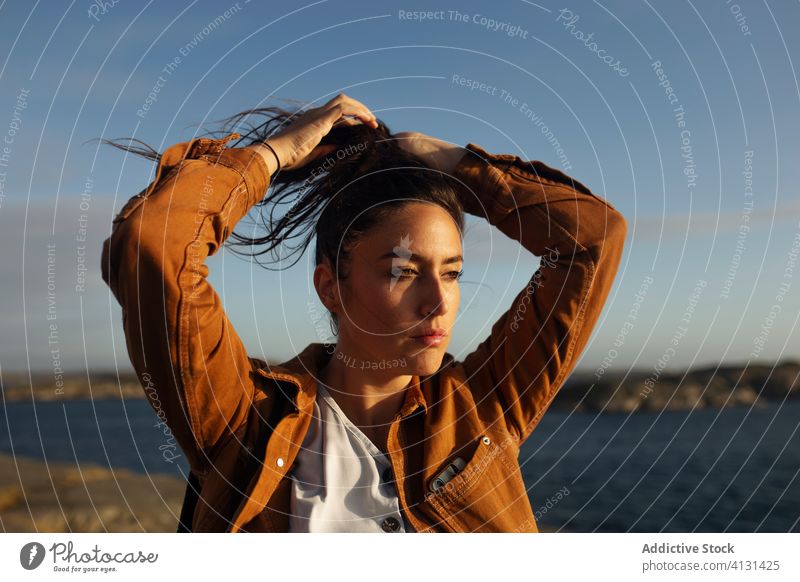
435,298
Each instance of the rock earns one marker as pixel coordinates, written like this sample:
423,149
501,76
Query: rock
36,496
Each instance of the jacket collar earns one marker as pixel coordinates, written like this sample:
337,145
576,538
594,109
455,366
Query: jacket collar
303,371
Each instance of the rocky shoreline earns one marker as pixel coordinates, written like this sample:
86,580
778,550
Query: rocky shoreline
59,497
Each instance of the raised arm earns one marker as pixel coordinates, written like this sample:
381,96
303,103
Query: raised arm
192,364
515,373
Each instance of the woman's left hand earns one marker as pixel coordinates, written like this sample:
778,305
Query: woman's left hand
436,153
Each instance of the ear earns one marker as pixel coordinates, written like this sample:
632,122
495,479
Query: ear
326,286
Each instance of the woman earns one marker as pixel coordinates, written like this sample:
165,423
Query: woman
383,430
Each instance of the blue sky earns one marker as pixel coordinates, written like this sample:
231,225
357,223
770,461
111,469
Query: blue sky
75,71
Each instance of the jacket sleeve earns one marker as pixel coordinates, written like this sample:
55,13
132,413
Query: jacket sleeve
515,373
191,363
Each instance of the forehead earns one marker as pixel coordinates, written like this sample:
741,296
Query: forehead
419,231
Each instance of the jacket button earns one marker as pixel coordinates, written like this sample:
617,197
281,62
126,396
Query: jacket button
390,524
280,461
486,440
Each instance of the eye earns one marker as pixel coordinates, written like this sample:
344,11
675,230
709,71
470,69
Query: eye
409,273
404,274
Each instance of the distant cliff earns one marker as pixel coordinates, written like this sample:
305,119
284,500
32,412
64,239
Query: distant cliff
712,387
614,392
70,386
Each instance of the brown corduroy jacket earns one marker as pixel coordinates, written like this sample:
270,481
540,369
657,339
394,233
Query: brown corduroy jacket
240,422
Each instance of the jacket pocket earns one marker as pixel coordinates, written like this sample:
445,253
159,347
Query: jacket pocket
460,475
487,493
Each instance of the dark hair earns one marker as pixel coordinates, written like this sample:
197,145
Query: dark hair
338,197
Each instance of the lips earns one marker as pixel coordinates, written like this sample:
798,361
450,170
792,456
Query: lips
431,332
430,336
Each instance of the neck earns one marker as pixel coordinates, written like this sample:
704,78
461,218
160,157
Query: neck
367,396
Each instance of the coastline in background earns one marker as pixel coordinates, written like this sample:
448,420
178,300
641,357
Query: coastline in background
709,387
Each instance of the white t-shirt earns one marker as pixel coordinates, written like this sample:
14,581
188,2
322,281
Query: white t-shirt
341,482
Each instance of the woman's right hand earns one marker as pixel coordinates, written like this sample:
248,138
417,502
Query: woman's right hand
297,143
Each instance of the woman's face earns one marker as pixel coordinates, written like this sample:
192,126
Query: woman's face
403,279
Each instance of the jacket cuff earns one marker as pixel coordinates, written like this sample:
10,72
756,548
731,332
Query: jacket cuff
249,163
484,175
479,176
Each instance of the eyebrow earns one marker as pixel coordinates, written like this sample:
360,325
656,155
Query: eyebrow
420,258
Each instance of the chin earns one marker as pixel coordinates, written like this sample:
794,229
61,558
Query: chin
427,362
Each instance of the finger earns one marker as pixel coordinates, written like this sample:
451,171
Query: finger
367,116
358,105
354,107
353,117
335,111
346,121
